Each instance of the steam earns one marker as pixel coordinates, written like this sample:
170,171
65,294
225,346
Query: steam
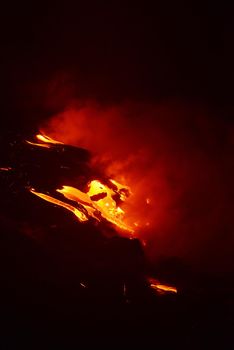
176,160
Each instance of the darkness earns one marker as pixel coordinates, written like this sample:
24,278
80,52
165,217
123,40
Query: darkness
110,53
114,52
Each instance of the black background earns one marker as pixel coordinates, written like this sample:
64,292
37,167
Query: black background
111,52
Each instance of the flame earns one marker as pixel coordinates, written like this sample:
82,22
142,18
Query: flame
161,288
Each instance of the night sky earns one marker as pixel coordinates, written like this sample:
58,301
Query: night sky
114,52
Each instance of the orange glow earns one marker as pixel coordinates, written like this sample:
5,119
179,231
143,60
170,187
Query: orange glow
79,214
38,144
98,203
47,139
100,199
124,191
107,205
102,202
98,207
161,288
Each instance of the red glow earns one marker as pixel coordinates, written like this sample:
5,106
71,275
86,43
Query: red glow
169,166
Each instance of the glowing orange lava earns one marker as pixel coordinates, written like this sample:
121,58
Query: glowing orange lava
78,213
43,138
100,207
47,139
100,202
97,203
161,288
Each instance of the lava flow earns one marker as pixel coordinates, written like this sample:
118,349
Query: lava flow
161,288
98,202
48,141
101,202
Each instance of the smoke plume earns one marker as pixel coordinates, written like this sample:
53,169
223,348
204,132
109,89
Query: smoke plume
176,159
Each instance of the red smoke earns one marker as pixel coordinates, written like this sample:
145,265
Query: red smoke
177,156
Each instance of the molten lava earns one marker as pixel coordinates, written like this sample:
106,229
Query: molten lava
43,138
99,202
161,288
47,139
78,213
